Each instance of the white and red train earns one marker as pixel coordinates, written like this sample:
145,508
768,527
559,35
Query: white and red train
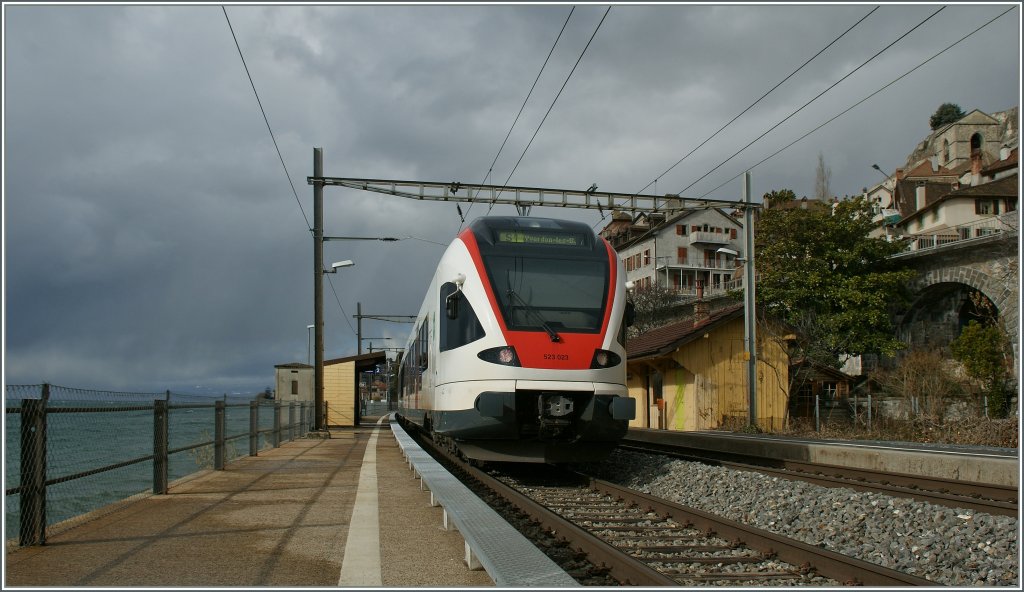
518,350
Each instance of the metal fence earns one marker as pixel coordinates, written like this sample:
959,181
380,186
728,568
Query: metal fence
73,454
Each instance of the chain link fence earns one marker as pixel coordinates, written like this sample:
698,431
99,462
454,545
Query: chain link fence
74,454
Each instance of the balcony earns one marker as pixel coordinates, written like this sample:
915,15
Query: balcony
1005,224
719,264
711,238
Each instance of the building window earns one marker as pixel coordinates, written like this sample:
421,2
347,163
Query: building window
732,233
829,390
680,230
295,387
986,206
945,151
681,255
647,257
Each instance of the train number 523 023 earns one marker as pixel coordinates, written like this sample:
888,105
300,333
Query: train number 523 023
561,357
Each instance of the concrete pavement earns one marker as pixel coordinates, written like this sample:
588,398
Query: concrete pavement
278,519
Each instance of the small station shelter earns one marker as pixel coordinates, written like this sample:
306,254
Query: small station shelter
293,382
341,387
692,375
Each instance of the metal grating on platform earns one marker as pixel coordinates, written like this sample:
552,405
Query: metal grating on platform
508,557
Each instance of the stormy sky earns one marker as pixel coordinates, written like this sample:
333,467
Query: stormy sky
152,239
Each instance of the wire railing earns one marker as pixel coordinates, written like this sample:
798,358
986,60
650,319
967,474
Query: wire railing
1003,225
74,454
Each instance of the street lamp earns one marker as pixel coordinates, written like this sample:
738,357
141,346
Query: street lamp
749,327
879,169
336,265
309,341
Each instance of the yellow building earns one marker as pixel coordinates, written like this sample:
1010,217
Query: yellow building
692,375
341,387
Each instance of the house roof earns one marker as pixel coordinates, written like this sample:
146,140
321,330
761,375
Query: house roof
669,224
293,365
662,340
924,169
808,365
1008,163
362,361
905,195
1005,187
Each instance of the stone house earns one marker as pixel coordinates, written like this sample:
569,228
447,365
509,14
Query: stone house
678,252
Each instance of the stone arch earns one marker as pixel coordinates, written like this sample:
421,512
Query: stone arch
942,305
977,141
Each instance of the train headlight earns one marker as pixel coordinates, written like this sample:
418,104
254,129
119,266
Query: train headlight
504,355
605,359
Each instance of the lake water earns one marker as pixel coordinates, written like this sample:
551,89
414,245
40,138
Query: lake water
80,441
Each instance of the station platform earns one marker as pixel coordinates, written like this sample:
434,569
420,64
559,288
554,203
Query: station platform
292,516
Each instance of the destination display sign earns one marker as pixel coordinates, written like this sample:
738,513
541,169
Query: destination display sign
540,237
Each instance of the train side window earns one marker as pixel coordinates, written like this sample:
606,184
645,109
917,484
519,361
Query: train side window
463,329
423,347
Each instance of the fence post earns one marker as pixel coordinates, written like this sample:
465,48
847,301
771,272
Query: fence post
277,424
302,418
817,414
254,426
869,412
218,436
984,404
291,421
33,470
160,421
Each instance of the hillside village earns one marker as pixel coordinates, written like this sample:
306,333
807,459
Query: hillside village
957,189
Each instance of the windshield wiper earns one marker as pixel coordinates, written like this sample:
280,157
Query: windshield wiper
530,309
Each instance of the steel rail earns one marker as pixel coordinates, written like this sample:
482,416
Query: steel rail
622,567
982,497
827,563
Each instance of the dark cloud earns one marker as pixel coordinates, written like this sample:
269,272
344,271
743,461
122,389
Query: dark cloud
152,239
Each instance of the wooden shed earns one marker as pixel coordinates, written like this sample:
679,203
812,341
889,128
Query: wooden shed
692,375
341,387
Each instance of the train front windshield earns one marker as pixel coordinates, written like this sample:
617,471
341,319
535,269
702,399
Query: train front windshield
550,282
535,289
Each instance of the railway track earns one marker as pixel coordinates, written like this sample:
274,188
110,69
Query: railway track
641,540
991,499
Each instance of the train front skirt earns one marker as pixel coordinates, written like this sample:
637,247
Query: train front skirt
537,426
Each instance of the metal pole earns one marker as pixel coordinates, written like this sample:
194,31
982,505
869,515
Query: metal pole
160,422
817,415
33,471
218,436
254,427
318,282
359,328
277,424
291,420
749,316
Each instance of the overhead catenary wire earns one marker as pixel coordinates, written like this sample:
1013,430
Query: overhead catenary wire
516,120
266,120
552,106
749,107
291,184
858,103
816,97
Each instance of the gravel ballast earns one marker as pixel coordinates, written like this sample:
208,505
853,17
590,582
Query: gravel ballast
954,547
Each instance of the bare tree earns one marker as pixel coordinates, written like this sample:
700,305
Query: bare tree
822,179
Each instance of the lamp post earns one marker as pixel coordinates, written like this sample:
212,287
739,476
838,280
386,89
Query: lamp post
749,316
879,169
